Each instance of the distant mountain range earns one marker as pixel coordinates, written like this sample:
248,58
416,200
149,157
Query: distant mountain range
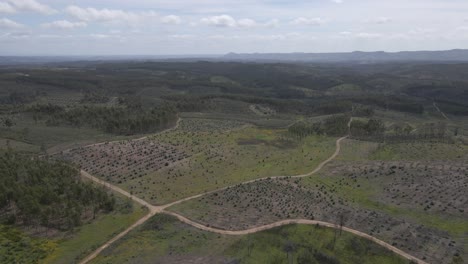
457,55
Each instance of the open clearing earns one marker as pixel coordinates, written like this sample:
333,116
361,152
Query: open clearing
199,156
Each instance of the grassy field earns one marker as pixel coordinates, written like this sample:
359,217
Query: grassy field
165,240
278,121
219,159
90,236
419,151
355,150
18,146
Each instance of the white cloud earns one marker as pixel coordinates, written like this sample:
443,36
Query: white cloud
246,23
219,21
6,23
100,36
422,31
32,5
228,21
307,21
6,8
16,35
182,36
64,24
171,19
105,15
337,1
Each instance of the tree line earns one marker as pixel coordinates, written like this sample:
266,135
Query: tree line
335,125
114,120
367,129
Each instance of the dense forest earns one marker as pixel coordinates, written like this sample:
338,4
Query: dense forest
114,120
371,128
35,192
335,125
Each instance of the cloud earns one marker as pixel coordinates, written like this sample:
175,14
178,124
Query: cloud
100,36
16,35
31,5
228,21
307,21
337,1
64,24
246,23
6,23
106,15
181,36
171,19
219,21
6,8
422,31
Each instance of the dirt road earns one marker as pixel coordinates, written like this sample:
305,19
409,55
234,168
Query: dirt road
162,209
295,221
317,169
438,110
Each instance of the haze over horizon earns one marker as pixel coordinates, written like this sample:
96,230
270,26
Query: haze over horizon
143,27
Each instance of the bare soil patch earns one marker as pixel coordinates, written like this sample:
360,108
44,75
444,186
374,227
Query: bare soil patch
119,161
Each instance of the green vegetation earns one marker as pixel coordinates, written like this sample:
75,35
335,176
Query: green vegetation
304,244
47,212
336,125
83,240
165,238
221,159
401,176
114,120
419,151
17,247
48,194
373,128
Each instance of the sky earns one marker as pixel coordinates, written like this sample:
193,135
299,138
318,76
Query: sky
189,27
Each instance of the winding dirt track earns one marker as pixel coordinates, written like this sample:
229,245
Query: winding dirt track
153,210
295,221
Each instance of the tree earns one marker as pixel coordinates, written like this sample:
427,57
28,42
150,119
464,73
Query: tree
289,248
8,122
